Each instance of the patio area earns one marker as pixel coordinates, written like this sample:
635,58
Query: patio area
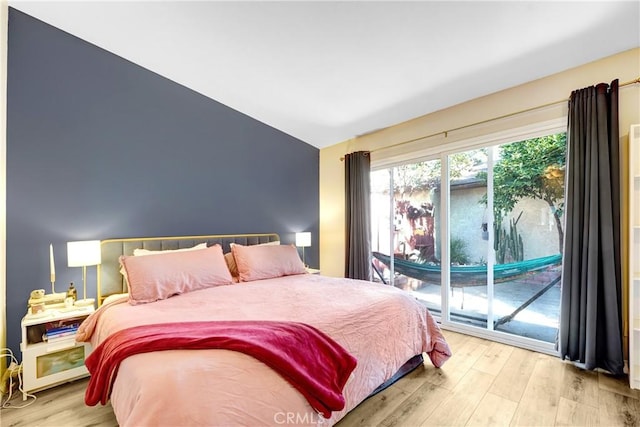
528,306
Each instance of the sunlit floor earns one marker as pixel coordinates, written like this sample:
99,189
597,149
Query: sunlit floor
538,320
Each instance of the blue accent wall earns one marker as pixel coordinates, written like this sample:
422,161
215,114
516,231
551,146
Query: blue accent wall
99,147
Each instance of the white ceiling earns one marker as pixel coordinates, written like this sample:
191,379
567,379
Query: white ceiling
328,71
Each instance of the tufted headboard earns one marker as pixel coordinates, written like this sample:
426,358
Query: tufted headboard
110,281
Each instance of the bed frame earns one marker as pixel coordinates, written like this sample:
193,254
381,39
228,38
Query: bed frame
109,279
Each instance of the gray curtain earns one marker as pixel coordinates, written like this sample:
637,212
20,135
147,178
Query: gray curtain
591,298
358,209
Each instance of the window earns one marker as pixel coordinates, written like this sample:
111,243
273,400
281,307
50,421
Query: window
477,234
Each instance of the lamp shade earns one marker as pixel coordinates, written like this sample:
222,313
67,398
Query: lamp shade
303,239
84,253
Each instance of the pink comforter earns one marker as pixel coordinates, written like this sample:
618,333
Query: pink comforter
382,327
311,361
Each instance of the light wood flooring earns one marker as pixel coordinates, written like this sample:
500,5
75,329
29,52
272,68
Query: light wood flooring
483,384
491,384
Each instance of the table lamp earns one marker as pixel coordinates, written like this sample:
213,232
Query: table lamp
83,254
303,240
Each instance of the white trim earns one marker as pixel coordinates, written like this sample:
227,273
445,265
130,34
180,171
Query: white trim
540,129
491,256
535,130
502,337
445,256
633,264
4,40
392,266
544,128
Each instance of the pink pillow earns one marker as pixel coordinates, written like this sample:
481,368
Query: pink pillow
231,264
156,277
264,262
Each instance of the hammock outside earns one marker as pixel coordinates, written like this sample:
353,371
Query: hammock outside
467,275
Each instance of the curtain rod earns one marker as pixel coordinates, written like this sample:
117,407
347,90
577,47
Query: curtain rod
446,132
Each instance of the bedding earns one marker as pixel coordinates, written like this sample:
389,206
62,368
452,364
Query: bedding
158,276
231,261
112,281
265,262
380,326
143,252
311,361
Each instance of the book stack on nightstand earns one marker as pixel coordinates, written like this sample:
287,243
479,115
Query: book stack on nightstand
50,353
61,330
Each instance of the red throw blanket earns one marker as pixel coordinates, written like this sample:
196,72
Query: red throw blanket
310,360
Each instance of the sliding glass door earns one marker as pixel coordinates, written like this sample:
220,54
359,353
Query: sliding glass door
469,255
477,236
406,243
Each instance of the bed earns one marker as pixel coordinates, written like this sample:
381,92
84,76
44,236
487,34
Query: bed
262,343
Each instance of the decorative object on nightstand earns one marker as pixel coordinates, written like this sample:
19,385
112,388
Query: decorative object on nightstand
72,293
313,270
303,240
52,269
40,301
36,301
50,353
83,254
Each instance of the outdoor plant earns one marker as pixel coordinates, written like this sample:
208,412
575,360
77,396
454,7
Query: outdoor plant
458,251
508,246
533,168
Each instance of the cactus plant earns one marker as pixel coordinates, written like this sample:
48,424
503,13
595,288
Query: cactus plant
509,247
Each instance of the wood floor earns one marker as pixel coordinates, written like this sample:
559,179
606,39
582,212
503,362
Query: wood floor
483,384
491,384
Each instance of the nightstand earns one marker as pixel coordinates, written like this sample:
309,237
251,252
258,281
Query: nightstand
312,271
50,353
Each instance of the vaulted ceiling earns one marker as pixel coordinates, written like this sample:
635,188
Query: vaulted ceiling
327,71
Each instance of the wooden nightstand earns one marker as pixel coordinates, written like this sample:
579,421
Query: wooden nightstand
50,359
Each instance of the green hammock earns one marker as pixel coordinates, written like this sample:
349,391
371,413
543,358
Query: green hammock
467,275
